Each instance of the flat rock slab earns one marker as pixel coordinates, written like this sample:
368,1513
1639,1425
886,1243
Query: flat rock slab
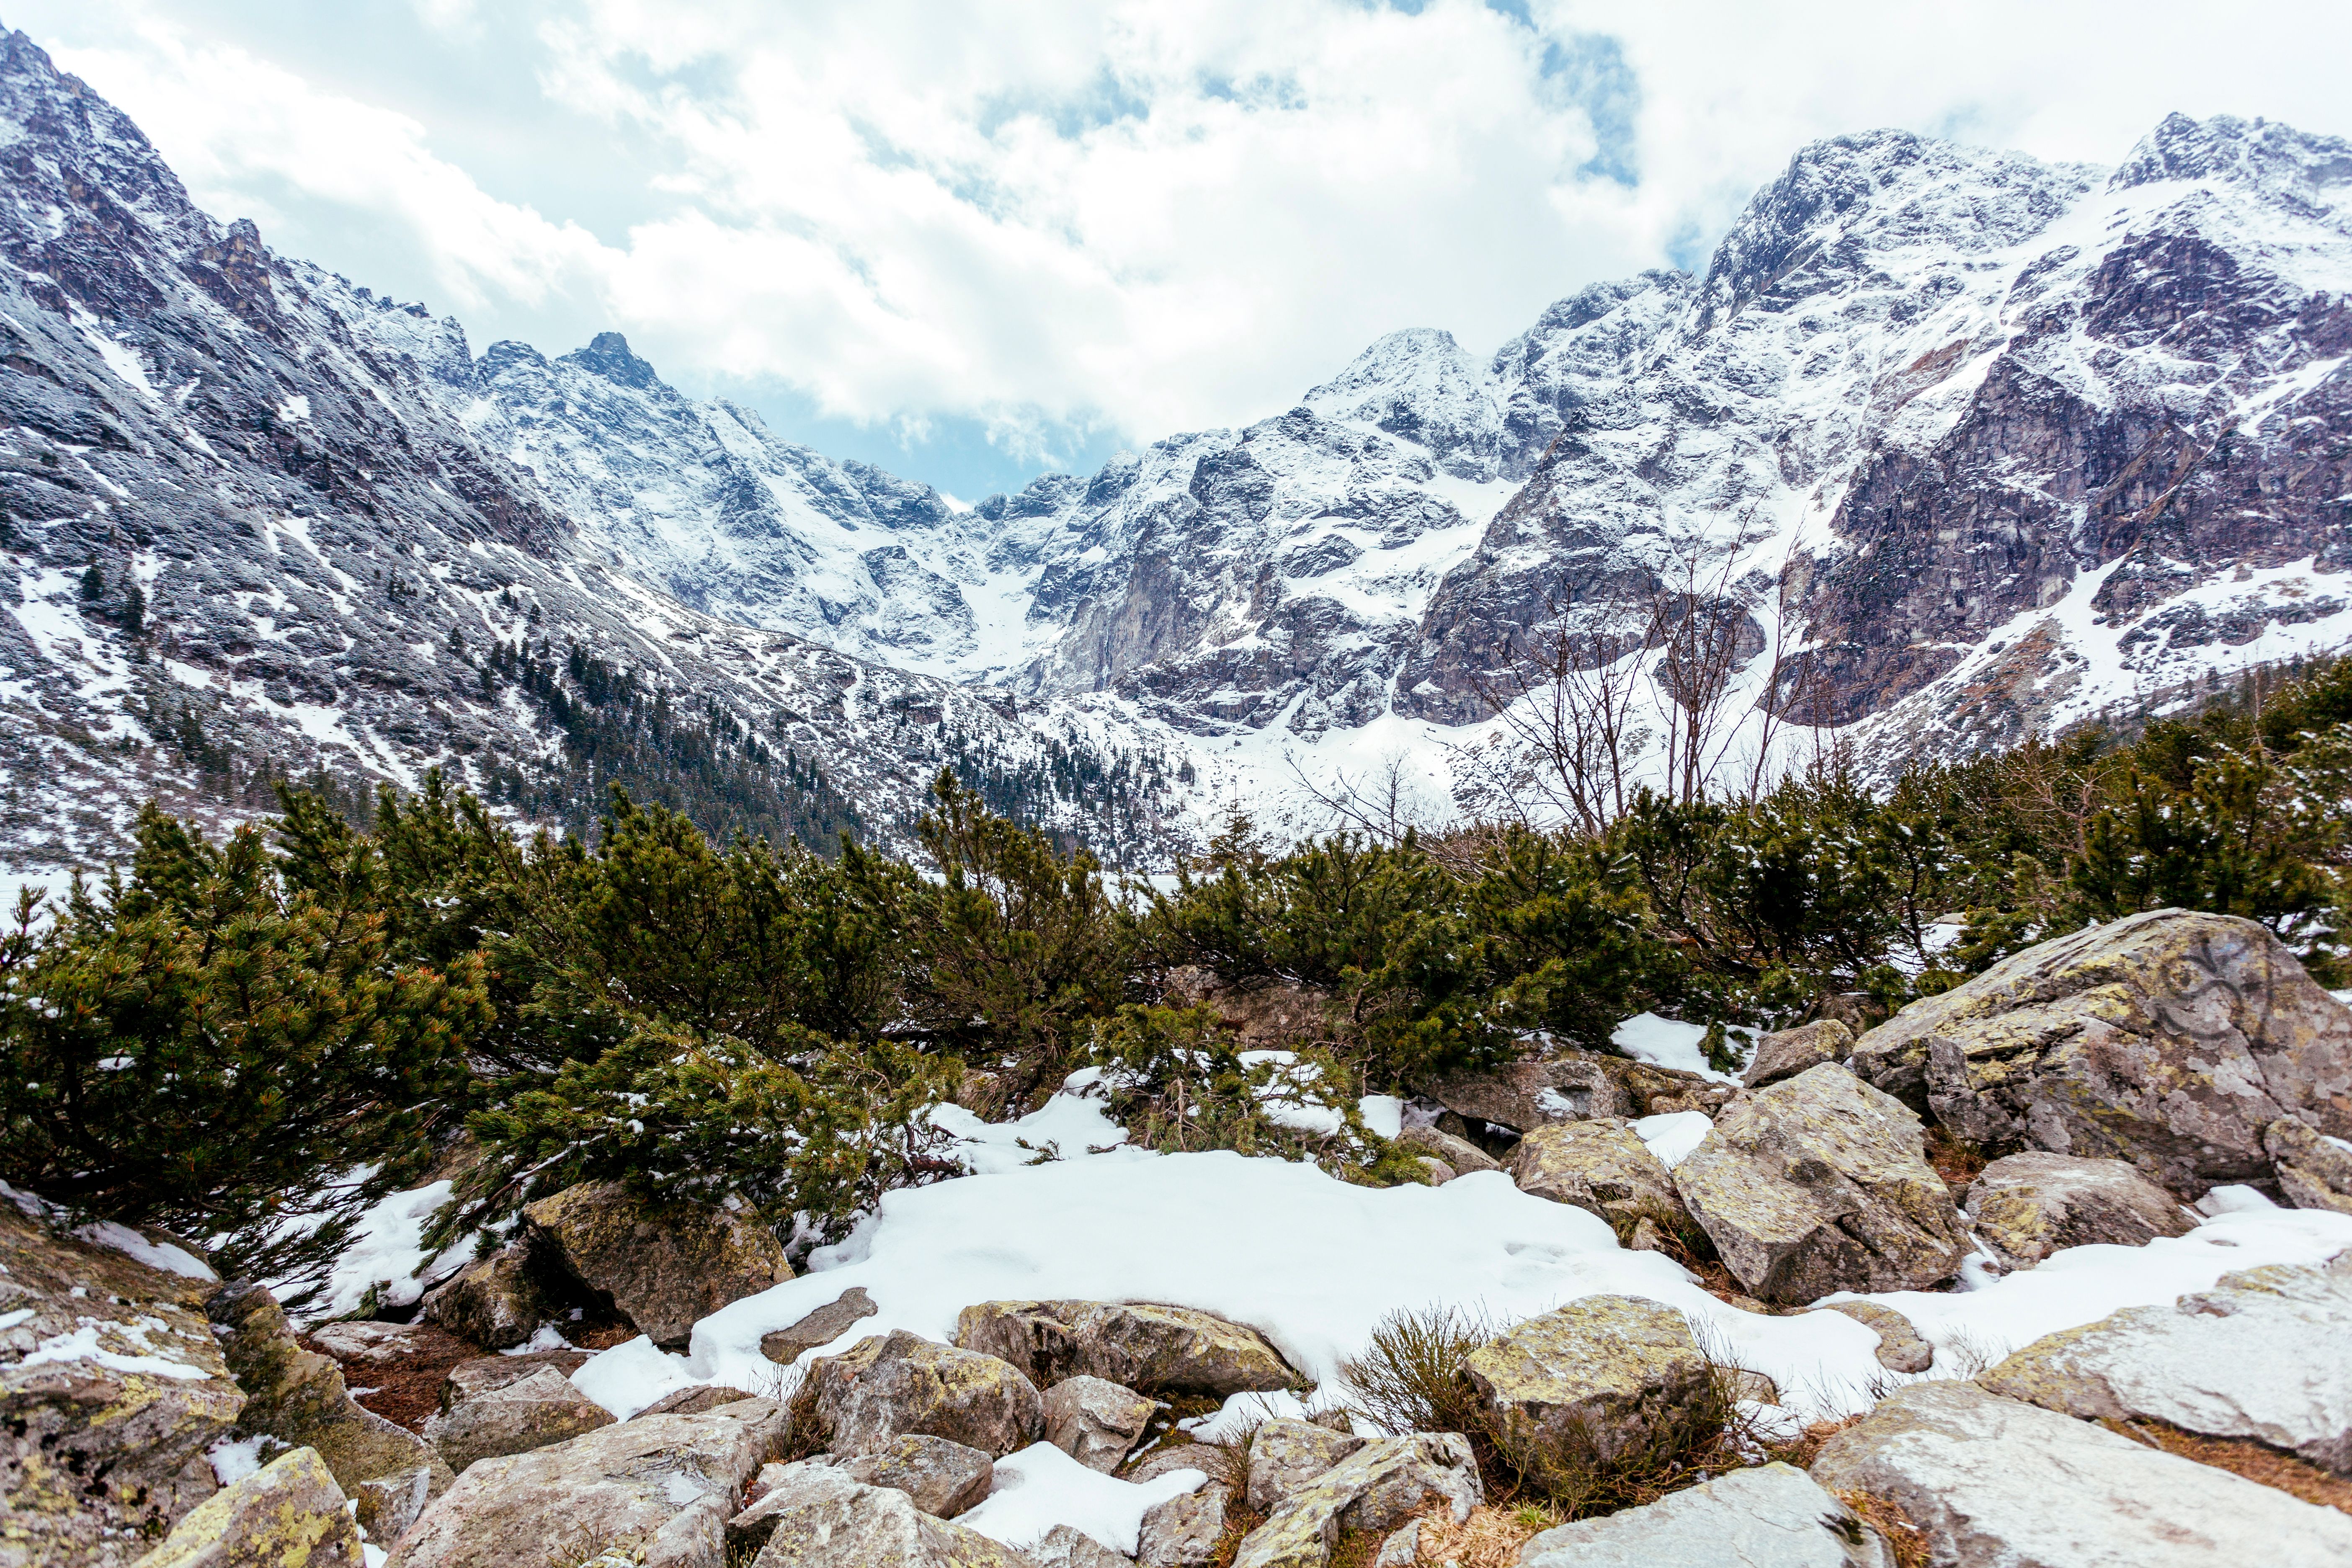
822,1327
665,1266
1900,1348
1774,1516
1377,1488
1819,1183
2171,1040
888,1385
944,1478
2265,1354
820,1518
363,1341
1998,1483
2029,1205
1095,1420
662,1489
694,1401
1789,1052
530,1412
1607,1370
287,1514
480,1375
1284,1455
1601,1167
1149,1348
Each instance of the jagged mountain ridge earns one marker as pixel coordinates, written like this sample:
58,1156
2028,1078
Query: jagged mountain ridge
250,533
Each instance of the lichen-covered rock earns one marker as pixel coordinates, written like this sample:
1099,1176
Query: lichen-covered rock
1605,1370
298,1397
1819,1183
287,1514
1183,1531
1601,1167
1179,1455
2029,1205
1901,1347
1151,1348
1095,1421
530,1412
694,1401
822,1327
2171,1039
2314,1172
659,1491
1789,1052
1774,1516
818,1517
943,1478
360,1340
665,1266
888,1385
1459,1153
478,1375
2261,1355
1064,1547
498,1301
1576,1086
1377,1488
1998,1483
108,1397
1284,1455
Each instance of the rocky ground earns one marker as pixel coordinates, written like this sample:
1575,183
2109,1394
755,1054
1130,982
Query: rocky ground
2104,1331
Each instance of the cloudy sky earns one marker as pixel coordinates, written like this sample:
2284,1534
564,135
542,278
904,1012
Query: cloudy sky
973,241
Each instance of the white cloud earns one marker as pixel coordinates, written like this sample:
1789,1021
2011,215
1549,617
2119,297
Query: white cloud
1041,215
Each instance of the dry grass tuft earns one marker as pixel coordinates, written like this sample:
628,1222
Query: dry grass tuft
1956,1160
1410,1378
2257,1462
1490,1538
1906,1541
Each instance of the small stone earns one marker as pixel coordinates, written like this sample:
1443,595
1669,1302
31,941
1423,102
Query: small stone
1182,1455
1607,1370
665,1266
1458,1153
888,1385
693,1401
1183,1531
2029,1205
1284,1455
1436,1171
1095,1421
1401,1549
1064,1547
529,1413
1791,1051
822,1327
943,1478
287,1514
1149,1348
1900,1346
1774,1516
361,1341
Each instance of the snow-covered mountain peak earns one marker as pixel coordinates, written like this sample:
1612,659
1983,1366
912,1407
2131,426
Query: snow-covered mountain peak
2308,173
1421,384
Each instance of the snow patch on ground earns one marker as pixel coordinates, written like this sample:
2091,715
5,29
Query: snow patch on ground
1664,1043
1041,1487
1673,1135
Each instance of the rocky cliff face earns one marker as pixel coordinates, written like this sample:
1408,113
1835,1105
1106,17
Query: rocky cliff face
261,522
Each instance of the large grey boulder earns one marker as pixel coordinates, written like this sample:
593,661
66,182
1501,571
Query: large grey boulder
2312,1172
659,1492
530,1412
97,1456
1601,1167
287,1514
888,1385
1183,1531
1774,1516
821,1327
2171,1039
944,1478
1572,1086
1819,1183
1284,1455
296,1397
498,1301
2265,1354
665,1266
1149,1348
1377,1488
1606,1371
1095,1421
1998,1483
1789,1052
818,1517
2029,1205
